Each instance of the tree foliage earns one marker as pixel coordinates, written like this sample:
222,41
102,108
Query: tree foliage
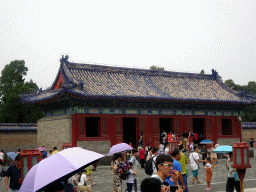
153,67
12,85
248,112
11,75
202,72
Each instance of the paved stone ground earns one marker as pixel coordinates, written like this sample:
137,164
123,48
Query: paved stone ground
103,177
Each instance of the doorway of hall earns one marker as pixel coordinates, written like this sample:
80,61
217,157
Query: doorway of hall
199,128
167,125
129,131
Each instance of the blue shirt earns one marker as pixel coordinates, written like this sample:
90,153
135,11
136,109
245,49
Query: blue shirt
170,181
176,165
14,173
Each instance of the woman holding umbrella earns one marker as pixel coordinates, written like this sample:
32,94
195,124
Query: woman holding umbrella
214,155
117,186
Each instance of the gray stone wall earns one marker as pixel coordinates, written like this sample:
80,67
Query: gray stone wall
54,131
97,146
227,141
247,134
12,141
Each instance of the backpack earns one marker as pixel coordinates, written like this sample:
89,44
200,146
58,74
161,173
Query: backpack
149,167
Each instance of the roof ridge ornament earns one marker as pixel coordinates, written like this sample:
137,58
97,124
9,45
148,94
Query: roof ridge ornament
214,73
64,59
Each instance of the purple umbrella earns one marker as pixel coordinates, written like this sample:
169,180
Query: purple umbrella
121,147
58,167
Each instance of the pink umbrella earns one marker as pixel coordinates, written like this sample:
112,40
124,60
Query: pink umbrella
41,149
58,167
121,147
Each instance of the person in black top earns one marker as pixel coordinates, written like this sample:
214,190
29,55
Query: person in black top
204,153
252,142
14,173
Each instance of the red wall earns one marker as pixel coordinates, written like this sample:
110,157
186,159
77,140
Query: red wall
111,127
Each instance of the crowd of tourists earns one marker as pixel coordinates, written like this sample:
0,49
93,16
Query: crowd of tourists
167,169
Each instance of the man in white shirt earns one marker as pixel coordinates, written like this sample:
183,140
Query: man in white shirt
133,160
194,159
154,154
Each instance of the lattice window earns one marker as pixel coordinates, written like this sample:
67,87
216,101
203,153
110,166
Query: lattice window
219,126
177,125
190,124
142,125
156,129
81,123
104,124
118,126
208,127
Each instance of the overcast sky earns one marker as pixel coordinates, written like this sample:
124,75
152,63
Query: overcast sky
182,36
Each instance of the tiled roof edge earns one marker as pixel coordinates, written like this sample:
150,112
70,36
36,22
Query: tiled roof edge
24,100
17,127
70,91
249,125
17,124
92,67
224,86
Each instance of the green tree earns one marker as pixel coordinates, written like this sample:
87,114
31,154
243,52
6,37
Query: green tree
12,85
251,87
231,84
153,67
11,75
202,72
249,112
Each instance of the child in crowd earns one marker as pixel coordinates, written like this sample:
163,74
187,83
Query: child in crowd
131,176
179,139
208,169
191,147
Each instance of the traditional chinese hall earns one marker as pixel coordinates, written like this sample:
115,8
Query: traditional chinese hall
96,106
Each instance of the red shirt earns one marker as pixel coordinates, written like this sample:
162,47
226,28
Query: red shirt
142,153
190,139
196,136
